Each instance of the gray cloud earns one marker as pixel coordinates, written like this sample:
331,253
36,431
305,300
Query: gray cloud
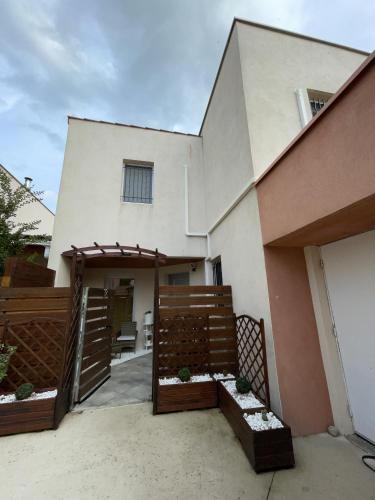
147,62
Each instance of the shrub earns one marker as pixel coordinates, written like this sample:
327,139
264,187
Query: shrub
243,385
264,415
6,352
24,391
184,374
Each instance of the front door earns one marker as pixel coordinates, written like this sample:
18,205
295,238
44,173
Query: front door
350,275
93,363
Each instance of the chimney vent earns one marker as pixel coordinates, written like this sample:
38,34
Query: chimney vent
28,181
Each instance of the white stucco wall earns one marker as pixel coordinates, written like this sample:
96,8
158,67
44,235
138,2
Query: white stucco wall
274,65
226,148
239,243
33,211
89,206
143,299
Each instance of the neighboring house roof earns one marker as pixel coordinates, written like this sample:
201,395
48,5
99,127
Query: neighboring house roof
21,183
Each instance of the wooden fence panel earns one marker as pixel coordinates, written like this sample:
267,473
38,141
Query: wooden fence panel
20,273
252,356
196,329
39,355
94,351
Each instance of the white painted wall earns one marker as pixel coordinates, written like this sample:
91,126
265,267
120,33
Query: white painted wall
89,206
238,241
143,286
274,65
33,211
226,147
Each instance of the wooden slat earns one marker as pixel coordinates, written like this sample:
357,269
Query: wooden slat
94,369
227,344
96,292
94,381
35,304
95,324
98,302
96,313
221,322
189,301
96,335
94,358
26,293
94,347
26,315
195,311
221,356
193,290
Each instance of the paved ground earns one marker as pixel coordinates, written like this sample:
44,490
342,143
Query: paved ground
130,382
126,453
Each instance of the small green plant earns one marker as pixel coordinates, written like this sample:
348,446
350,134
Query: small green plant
24,391
6,352
225,372
243,385
264,415
184,375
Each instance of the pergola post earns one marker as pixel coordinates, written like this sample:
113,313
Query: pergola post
155,343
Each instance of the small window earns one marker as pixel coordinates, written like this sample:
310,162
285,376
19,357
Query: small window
179,279
137,184
317,100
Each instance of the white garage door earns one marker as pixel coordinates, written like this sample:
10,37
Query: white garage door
350,274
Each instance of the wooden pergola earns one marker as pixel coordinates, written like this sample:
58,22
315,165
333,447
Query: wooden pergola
122,256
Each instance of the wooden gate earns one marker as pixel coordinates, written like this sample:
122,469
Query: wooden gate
93,362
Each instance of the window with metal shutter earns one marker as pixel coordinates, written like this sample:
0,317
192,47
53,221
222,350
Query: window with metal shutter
137,184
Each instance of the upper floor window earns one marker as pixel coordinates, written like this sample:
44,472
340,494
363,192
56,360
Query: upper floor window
317,100
137,182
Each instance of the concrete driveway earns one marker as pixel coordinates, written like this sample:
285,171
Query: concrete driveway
126,453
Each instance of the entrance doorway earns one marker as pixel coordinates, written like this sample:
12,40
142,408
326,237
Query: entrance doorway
350,276
122,304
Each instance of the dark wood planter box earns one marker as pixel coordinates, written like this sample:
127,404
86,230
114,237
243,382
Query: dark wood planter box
266,450
27,416
187,396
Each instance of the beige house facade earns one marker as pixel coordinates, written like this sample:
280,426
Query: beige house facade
32,212
197,197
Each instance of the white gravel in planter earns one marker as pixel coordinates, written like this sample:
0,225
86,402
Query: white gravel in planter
11,398
194,378
221,376
257,423
243,400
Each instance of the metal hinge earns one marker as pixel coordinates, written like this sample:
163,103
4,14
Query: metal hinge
321,263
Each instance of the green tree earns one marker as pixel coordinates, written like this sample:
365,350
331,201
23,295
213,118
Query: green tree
15,235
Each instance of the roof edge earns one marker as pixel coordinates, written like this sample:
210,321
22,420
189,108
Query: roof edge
104,122
19,182
343,90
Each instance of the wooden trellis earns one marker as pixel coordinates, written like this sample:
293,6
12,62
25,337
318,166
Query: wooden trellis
252,356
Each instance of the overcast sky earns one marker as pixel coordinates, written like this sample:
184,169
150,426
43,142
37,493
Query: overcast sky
146,62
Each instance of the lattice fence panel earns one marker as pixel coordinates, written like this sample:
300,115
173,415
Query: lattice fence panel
39,355
252,357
